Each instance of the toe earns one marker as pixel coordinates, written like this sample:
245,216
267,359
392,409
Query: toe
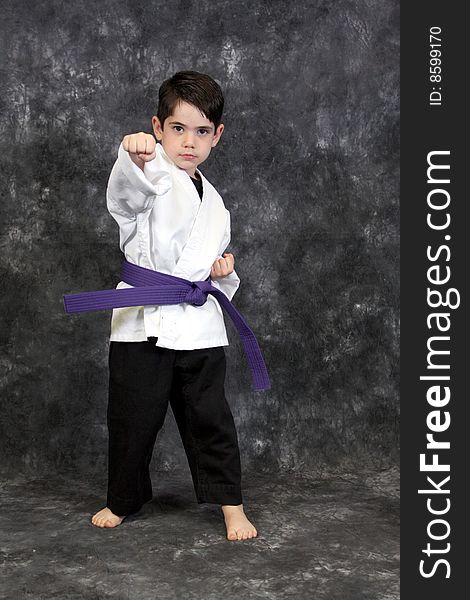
112,522
245,535
232,535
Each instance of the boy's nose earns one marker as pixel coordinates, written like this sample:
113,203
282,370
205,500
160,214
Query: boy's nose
189,142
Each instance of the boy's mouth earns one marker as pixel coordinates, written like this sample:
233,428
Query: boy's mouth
188,156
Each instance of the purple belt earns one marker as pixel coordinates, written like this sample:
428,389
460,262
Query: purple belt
153,287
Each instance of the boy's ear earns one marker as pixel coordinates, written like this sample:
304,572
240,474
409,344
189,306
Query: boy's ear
157,128
217,135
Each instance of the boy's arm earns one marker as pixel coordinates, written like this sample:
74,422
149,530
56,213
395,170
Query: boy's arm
130,190
231,282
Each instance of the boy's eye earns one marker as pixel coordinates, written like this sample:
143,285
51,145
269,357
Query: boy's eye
179,128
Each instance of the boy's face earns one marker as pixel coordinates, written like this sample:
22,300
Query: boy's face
187,136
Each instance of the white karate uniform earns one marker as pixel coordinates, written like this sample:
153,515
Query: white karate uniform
164,226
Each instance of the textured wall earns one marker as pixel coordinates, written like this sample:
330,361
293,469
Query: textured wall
308,167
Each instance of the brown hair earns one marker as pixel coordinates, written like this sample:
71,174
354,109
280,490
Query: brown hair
197,89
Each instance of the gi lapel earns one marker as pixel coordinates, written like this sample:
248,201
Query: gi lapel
206,234
208,227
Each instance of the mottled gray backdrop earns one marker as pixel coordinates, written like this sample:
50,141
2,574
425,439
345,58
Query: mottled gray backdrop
308,167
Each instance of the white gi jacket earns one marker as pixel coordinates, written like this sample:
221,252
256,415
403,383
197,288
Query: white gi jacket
164,226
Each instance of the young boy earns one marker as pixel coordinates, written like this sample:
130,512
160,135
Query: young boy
172,220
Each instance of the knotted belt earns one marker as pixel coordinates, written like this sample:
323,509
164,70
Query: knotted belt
153,287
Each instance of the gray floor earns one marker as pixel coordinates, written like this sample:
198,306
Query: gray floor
334,538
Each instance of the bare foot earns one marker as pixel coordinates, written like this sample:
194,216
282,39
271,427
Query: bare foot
106,518
237,524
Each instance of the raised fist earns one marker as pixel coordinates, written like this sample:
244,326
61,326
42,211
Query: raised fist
140,145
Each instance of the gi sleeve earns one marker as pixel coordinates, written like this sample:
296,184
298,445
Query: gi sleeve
131,190
230,283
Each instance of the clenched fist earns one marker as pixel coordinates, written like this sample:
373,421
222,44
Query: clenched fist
141,147
223,266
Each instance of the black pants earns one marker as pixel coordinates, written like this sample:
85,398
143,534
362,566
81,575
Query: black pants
143,378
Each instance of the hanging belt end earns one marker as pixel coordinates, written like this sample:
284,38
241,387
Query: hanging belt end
64,300
261,382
